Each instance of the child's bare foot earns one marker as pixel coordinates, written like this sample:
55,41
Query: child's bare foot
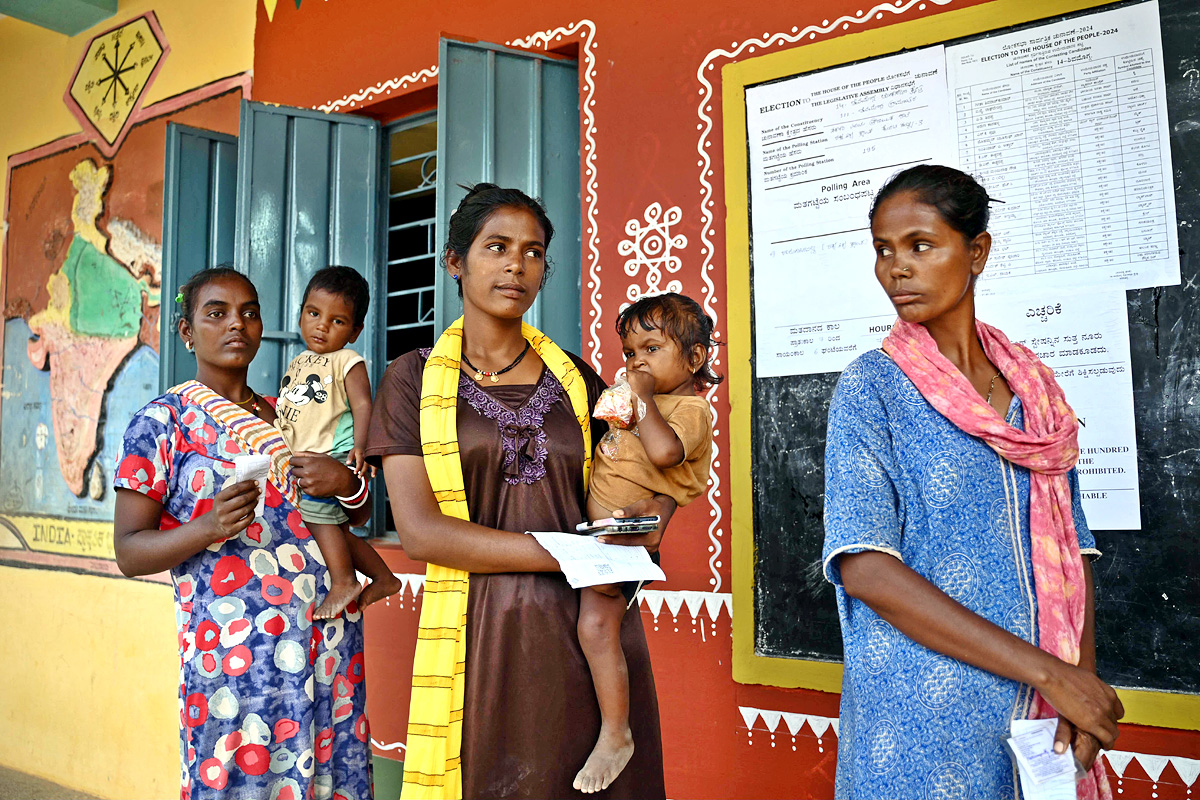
610,755
385,585
340,595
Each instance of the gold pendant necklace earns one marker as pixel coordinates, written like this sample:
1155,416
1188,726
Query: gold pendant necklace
495,376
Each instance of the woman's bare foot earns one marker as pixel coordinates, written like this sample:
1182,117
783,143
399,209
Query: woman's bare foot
610,755
383,586
340,595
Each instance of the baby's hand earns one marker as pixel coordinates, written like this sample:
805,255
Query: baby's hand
642,383
357,461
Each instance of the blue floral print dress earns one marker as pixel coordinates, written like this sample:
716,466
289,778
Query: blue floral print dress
271,705
902,479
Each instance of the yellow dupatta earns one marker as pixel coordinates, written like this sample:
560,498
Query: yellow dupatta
432,762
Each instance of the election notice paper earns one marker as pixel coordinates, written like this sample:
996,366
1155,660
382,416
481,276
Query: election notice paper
587,562
1066,123
821,145
1085,340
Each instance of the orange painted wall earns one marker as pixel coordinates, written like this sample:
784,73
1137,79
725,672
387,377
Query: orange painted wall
650,82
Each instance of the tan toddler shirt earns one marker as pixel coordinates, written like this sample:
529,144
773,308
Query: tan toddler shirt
623,474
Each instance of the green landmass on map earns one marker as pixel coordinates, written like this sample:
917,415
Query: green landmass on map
106,300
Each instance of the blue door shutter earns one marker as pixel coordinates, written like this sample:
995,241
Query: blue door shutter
199,197
512,118
307,197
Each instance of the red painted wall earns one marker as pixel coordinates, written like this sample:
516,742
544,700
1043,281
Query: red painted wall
650,90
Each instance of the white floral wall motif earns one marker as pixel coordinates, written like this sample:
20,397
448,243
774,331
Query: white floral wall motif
368,94
652,246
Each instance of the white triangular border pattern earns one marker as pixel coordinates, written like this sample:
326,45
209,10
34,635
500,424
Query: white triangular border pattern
1118,760
697,603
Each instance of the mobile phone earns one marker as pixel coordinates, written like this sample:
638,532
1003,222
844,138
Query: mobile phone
609,526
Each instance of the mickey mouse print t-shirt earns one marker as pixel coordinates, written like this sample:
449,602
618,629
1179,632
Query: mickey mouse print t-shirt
314,412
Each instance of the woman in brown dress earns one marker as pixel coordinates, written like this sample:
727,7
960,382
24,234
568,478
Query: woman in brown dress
530,715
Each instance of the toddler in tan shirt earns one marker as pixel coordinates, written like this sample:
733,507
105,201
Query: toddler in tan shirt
666,449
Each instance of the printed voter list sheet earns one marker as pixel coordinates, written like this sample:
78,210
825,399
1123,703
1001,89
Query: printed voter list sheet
587,562
820,146
1067,124
1085,340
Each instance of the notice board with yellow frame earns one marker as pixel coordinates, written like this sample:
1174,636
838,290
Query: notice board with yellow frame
1174,709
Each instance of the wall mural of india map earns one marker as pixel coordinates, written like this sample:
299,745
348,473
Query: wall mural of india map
83,266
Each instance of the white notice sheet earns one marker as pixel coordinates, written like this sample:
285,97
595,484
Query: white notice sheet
1064,123
1067,124
1085,340
820,146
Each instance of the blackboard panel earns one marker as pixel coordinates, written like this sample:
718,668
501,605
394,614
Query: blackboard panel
1148,581
795,611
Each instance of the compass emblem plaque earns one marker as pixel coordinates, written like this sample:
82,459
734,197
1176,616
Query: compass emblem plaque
113,75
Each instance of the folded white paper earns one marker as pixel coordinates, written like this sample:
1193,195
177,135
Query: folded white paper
253,467
1045,774
587,562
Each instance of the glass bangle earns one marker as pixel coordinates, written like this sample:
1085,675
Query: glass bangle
357,499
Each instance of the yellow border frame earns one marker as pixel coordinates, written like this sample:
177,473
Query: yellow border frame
1162,709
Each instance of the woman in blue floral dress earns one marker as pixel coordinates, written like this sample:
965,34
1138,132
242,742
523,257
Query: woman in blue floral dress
271,705
954,530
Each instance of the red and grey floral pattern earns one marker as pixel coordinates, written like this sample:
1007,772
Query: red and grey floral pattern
272,705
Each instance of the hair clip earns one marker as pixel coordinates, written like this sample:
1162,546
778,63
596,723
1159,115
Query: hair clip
993,200
179,297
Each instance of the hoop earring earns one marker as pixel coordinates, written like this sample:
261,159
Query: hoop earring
189,346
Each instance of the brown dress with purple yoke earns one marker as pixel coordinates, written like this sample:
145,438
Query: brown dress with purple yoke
531,717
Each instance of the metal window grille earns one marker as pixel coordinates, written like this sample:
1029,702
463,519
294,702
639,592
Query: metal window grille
412,251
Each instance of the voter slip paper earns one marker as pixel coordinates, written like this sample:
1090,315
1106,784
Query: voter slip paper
253,467
1045,774
587,562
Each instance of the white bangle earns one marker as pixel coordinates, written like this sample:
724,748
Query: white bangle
358,499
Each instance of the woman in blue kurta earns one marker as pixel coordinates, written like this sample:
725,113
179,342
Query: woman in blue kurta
271,705
902,479
928,530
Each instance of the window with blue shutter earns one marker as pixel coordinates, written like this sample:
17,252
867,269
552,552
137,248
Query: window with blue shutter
511,118
307,197
199,196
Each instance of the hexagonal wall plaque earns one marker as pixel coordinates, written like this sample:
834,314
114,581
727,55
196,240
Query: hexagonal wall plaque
112,77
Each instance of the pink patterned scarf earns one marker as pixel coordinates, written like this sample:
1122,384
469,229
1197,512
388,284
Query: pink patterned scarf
1048,448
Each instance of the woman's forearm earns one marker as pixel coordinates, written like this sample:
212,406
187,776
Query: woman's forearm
142,548
930,617
459,544
429,535
148,551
